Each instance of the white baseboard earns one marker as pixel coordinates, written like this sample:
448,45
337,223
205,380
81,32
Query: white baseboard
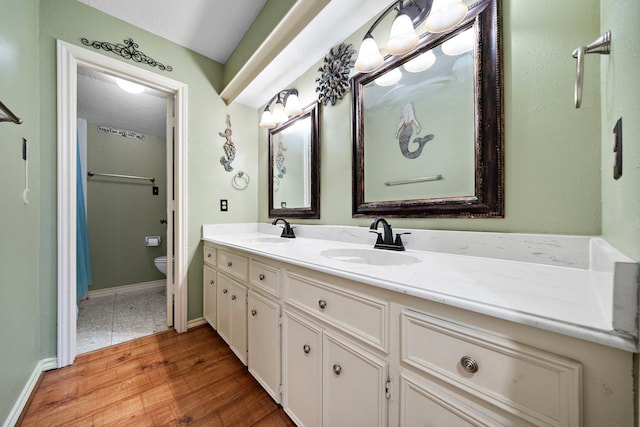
41,366
126,288
196,322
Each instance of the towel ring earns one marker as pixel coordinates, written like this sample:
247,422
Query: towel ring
240,180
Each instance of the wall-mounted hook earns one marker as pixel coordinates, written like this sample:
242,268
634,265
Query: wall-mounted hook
602,46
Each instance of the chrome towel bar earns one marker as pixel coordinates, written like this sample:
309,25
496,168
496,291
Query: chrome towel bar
114,175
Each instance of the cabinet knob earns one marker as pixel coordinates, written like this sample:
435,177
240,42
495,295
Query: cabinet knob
306,348
233,297
469,364
208,255
254,312
211,282
224,291
337,369
261,277
229,263
322,304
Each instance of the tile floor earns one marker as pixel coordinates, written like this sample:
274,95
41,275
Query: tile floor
112,319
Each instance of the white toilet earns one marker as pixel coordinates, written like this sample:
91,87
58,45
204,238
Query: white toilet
161,264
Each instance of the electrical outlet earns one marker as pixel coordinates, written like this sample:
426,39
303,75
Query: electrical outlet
224,206
617,149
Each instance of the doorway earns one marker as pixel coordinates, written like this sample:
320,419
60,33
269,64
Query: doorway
122,233
70,57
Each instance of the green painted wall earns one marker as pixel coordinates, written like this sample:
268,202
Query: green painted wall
621,98
19,305
70,20
552,155
122,212
269,17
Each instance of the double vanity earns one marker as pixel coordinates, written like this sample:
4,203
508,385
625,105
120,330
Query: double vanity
461,328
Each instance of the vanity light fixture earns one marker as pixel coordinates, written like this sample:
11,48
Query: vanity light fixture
287,105
130,87
459,44
421,62
389,78
440,16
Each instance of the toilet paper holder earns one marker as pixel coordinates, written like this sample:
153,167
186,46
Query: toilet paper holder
152,240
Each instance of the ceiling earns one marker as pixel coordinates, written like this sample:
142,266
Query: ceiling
194,24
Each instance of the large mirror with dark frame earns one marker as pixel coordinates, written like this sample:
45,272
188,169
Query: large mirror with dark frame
294,164
428,142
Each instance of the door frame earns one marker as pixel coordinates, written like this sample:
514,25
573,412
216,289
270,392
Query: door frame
69,57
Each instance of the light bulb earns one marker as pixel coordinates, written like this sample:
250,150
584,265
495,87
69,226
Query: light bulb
389,78
369,56
444,15
421,62
402,37
267,121
130,87
279,116
292,107
459,44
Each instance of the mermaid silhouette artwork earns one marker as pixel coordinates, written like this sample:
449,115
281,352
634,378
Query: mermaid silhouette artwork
405,131
228,147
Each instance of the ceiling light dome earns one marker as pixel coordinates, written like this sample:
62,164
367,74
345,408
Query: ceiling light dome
130,87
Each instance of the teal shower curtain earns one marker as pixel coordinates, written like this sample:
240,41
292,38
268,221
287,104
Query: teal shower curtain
83,257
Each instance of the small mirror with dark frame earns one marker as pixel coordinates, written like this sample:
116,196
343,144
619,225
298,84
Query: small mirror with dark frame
428,142
294,166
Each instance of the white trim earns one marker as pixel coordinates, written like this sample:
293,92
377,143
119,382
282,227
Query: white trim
69,57
126,288
196,322
29,387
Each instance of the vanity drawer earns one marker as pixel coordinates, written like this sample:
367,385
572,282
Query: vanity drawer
265,277
358,315
210,255
235,265
537,386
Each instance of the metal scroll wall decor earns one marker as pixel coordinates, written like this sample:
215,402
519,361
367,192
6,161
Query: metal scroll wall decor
128,50
228,147
333,82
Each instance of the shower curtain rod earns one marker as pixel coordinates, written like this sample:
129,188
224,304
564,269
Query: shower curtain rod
114,175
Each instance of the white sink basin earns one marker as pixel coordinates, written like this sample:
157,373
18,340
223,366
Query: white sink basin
369,256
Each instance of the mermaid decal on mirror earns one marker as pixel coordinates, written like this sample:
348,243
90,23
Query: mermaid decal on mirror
405,130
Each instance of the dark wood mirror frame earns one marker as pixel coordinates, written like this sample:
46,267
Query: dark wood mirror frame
313,211
488,200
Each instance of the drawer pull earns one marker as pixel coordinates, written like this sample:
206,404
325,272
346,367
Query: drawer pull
337,369
469,364
211,282
254,312
229,263
322,304
306,348
233,297
261,277
224,291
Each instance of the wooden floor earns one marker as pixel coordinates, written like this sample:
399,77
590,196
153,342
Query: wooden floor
167,379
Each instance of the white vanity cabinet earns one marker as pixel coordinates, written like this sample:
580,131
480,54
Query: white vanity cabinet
330,380
232,314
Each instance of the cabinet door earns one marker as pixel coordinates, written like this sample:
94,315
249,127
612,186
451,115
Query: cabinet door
223,318
354,385
237,297
264,342
301,376
209,308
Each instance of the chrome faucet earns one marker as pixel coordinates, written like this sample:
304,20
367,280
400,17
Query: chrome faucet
385,239
287,230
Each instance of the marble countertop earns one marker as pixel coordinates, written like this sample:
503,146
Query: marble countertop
577,286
